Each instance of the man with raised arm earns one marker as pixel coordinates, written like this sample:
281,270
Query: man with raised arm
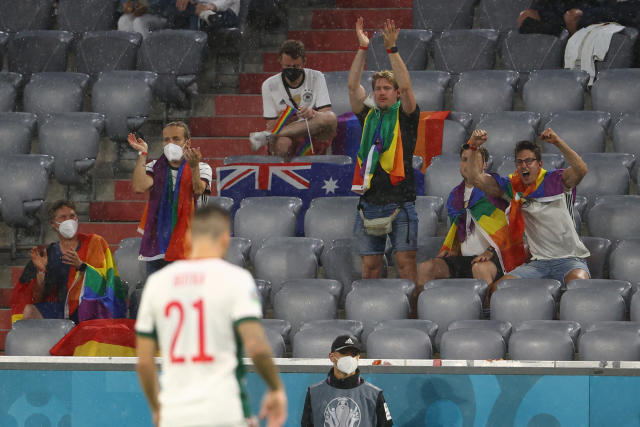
541,208
384,172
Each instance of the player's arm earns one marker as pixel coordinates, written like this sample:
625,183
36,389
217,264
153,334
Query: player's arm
146,348
480,179
140,180
357,94
400,72
577,167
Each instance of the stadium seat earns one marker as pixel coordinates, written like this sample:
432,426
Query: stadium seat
374,304
500,14
176,56
412,47
479,286
39,51
580,203
314,339
540,344
504,328
565,326
615,217
88,15
337,87
442,175
282,327
485,91
526,53
635,308
503,131
398,343
429,88
610,344
232,40
9,83
299,305
429,249
333,159
438,16
124,97
35,337
457,51
292,203
238,251
331,286
551,91
599,249
427,219
623,325
625,136
434,203
622,287
426,326
621,51
583,131
628,160
624,261
56,92
99,51
330,218
276,342
73,139
549,161
4,38
517,304
132,271
352,327
403,285
16,131
225,203
472,344
550,285
604,178
592,305
284,260
264,290
26,15
252,158
616,91
454,135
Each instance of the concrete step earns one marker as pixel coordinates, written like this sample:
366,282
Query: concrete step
369,4
238,105
5,296
251,83
322,61
5,319
119,211
334,40
222,147
373,18
3,338
123,191
226,126
113,232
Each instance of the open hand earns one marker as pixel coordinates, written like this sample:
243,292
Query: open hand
306,112
478,137
274,408
483,257
390,33
193,156
70,257
549,136
39,258
363,39
137,144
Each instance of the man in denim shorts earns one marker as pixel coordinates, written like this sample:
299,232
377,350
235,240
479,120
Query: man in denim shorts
384,173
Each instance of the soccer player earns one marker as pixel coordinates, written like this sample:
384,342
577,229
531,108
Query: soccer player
201,313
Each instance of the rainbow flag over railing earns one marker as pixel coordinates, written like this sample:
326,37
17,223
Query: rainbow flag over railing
99,337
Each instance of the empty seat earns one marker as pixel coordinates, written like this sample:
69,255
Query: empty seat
331,286
625,135
621,325
99,51
550,91
580,203
438,16
427,326
299,305
599,248
88,15
627,160
374,304
35,337
412,46
429,249
26,15
565,326
500,14
403,285
282,261
479,286
635,308
132,271
276,342
124,97
435,203
427,219
541,344
398,343
429,88
336,86
615,217
352,327
610,344
38,51
4,38
292,203
314,338
457,51
176,56
530,52
330,218
252,158
264,290
617,91
56,92
16,131
454,135
624,261
332,159
583,131
592,305
281,326
518,304
622,287
442,175
485,91
238,251
503,328
603,178
225,203
9,83
503,131
550,285
621,51
472,344
73,140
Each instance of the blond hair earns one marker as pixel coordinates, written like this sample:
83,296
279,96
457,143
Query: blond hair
384,74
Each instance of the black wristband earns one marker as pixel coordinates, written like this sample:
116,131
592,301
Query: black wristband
393,49
83,267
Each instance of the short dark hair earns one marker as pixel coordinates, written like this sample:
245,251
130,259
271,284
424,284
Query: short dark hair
210,221
293,48
59,204
483,151
528,145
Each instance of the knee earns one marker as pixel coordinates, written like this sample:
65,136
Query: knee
371,268
31,312
426,271
576,274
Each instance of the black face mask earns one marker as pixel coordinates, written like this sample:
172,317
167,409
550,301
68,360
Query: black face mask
292,74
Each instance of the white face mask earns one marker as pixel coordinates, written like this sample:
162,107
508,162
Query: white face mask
68,228
173,152
347,364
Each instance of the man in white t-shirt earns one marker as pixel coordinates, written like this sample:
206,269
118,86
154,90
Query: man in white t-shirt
305,91
201,313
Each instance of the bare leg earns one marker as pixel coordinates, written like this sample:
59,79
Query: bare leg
372,266
484,270
281,146
431,269
31,312
323,126
571,20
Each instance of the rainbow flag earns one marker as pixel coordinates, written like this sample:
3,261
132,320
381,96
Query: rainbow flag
99,337
282,120
381,142
306,149
429,139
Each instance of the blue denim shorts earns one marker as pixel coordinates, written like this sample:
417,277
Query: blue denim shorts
404,232
550,268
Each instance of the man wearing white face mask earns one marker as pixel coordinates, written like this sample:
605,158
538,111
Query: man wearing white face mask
345,398
176,181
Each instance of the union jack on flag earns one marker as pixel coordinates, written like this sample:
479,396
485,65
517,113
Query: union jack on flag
260,176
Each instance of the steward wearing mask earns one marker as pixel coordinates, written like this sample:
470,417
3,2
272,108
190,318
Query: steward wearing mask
297,108
345,398
176,181
74,278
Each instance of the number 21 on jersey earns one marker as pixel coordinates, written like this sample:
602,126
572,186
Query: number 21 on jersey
174,308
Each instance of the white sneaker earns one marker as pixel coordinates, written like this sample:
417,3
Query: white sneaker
258,139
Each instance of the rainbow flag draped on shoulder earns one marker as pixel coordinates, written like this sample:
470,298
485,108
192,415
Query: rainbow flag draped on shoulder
381,143
488,213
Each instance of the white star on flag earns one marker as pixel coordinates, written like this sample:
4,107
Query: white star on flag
330,186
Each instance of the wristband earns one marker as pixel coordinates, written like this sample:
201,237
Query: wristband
393,49
363,47
142,153
467,146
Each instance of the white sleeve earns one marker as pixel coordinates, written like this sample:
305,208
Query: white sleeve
206,172
322,100
246,302
145,324
269,107
149,167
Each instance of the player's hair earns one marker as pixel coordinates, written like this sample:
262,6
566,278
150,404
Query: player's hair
483,151
293,48
183,125
528,145
384,74
59,204
210,221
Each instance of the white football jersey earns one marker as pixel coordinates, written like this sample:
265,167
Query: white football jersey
191,307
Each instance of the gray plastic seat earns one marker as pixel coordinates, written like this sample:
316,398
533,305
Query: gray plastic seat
292,203
352,327
442,175
625,135
403,285
88,15
429,249
412,46
529,52
4,38
124,97
550,91
57,92
279,262
276,342
16,131
374,304
281,326
622,287
252,158
73,139
99,51
500,14
550,285
397,343
238,251
610,344
485,91
628,160
479,286
427,326
592,305
435,203
314,338
35,337
599,248
617,91
518,304
472,344
621,51
503,132
583,131
540,344
338,93
615,217
580,203
503,328
457,51
133,272
38,51
264,290
332,159
225,203
624,261
427,220
635,308
176,56
9,83
26,15
330,218
22,197
603,178
231,40
331,286
299,305
438,16
454,135
565,326
621,325
429,88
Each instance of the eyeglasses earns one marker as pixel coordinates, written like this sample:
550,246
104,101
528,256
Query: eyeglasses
520,162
